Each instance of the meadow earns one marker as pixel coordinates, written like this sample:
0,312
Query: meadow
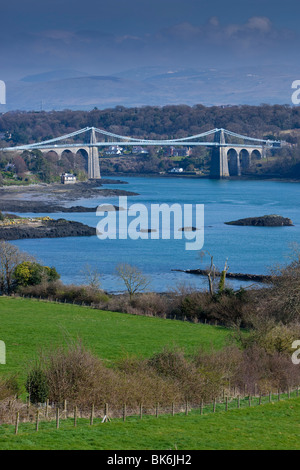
271,426
29,326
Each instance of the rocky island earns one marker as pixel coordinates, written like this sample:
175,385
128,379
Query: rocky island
13,227
263,221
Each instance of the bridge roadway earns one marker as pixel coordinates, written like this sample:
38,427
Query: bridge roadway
228,158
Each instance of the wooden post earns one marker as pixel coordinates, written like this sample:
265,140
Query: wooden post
186,408
173,409
270,397
156,410
37,421
75,416
259,399
47,408
239,402
17,422
65,408
28,407
124,412
92,415
226,404
279,394
106,410
57,417
214,405
141,411
249,400
289,392
201,408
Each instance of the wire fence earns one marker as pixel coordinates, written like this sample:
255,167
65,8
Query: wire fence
16,413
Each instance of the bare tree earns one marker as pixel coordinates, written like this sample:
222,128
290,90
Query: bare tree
10,258
212,273
134,280
92,277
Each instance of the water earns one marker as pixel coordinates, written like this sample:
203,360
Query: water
248,249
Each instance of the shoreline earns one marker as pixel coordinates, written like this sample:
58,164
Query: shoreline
53,198
207,177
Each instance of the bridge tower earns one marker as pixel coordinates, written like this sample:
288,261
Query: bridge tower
93,160
219,159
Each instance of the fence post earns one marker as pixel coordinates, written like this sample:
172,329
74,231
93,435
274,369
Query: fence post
57,417
239,402
173,409
214,406
75,416
156,411
201,408
92,415
17,422
65,408
270,397
279,394
289,392
186,407
141,411
28,407
37,421
124,412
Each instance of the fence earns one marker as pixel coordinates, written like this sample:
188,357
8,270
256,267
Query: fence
14,413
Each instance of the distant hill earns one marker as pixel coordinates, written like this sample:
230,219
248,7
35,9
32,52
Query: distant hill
155,86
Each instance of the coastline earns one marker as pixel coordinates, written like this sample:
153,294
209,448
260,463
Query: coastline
50,198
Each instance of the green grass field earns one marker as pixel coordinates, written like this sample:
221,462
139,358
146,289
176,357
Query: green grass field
27,326
269,426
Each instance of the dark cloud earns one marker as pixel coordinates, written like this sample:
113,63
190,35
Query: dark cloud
106,37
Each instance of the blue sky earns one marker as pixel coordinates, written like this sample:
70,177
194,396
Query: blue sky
106,37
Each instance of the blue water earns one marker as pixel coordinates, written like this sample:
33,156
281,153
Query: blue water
248,249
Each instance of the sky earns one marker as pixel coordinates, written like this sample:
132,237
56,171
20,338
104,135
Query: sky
107,37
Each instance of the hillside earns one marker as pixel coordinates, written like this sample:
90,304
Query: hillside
28,326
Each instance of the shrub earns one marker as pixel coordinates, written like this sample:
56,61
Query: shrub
37,385
31,274
9,387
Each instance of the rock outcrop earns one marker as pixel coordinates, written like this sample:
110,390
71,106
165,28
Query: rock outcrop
263,221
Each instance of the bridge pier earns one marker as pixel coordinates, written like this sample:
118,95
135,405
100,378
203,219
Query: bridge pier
219,159
93,158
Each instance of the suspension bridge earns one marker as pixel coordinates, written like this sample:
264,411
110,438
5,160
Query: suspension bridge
231,152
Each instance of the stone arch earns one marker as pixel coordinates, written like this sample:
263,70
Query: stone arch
256,154
82,158
245,159
233,162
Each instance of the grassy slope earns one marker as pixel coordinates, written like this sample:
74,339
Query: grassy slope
270,426
26,326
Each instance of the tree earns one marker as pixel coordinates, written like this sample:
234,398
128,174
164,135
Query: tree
10,258
133,278
30,273
92,277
